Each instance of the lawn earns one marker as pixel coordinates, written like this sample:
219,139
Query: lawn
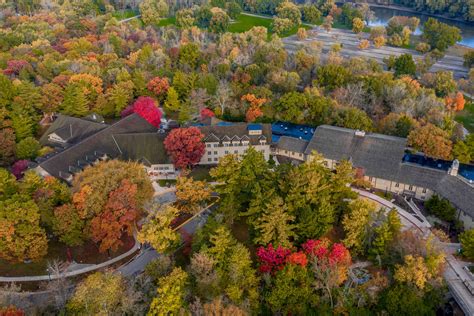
201,173
466,117
167,21
125,14
246,22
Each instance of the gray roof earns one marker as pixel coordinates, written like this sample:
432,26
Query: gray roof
292,144
145,147
381,156
216,133
71,129
102,142
377,154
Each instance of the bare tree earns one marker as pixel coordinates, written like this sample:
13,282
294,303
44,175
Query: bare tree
60,284
223,95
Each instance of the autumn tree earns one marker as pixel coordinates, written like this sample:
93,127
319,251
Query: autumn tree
75,102
357,25
467,243
432,141
68,225
414,271
185,146
192,195
357,223
27,148
185,18
455,103
147,108
21,237
171,293
7,146
152,11
289,10
99,293
327,23
159,86
172,102
219,21
254,106
157,230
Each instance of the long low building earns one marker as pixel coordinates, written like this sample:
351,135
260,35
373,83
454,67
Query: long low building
384,162
380,159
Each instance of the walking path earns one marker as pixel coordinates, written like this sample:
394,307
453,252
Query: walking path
460,282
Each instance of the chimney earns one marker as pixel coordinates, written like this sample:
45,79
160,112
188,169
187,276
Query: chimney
453,171
359,133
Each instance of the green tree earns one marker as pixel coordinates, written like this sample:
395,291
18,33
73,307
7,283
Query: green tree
157,231
171,293
440,35
7,146
172,103
291,291
332,76
185,18
23,123
27,148
290,107
441,208
467,243
405,65
75,102
462,152
384,234
289,10
22,238
403,300
8,184
310,13
357,224
275,224
189,55
353,118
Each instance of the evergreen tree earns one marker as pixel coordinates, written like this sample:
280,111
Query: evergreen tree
172,103
75,102
274,226
23,123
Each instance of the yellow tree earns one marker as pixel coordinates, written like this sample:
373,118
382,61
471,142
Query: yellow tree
171,293
357,25
191,194
414,271
157,231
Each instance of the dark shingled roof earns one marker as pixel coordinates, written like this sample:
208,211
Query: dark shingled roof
145,147
381,156
377,154
292,144
80,154
72,129
238,129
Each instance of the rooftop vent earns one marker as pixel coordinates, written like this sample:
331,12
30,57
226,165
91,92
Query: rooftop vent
359,133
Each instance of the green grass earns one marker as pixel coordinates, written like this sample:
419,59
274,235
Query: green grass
125,14
201,173
246,22
164,183
167,21
466,117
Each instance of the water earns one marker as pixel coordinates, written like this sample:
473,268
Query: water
382,15
304,132
466,171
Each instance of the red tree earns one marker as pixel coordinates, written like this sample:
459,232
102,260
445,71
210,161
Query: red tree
11,311
145,107
119,216
185,146
159,86
205,113
15,66
298,258
272,259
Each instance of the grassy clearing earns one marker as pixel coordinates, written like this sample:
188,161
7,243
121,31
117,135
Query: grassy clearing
201,173
167,21
246,22
125,14
466,117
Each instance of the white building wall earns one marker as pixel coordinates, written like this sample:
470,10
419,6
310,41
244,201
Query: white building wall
290,154
214,151
161,171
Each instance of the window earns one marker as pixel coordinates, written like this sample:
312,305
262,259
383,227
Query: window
236,151
226,152
209,152
370,179
209,159
424,190
215,145
286,151
215,159
325,163
300,154
215,152
410,188
208,145
397,185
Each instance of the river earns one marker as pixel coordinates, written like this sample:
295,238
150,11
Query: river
382,15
